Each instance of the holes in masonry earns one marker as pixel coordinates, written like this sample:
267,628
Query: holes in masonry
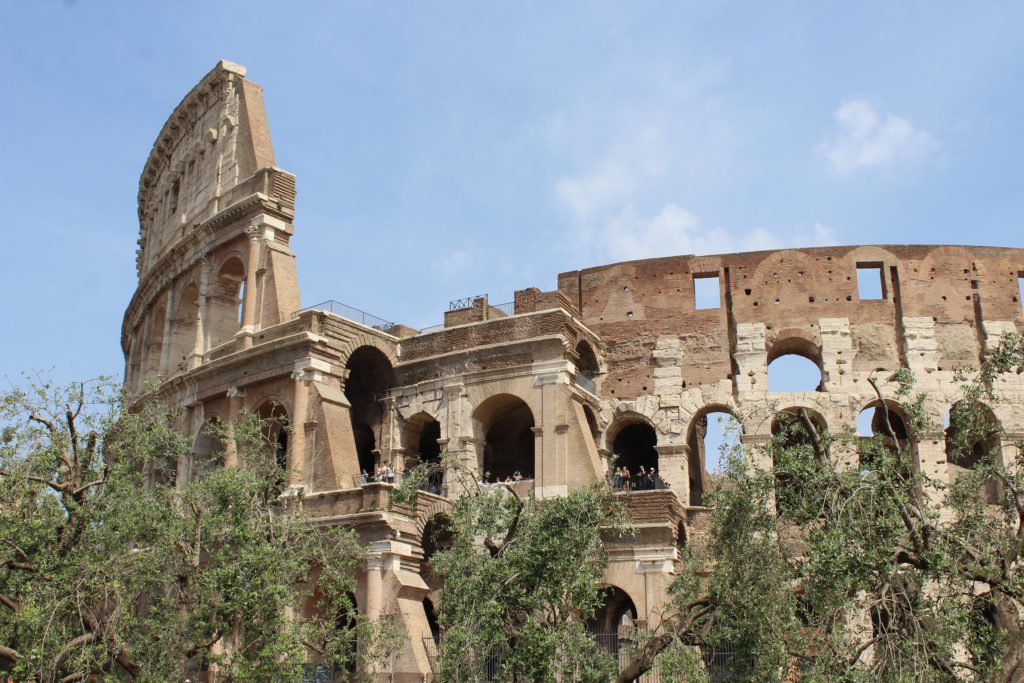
629,314
870,285
707,291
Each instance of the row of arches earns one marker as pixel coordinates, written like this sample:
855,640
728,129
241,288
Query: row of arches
189,320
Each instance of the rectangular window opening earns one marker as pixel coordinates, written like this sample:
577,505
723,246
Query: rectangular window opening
1020,291
870,285
707,291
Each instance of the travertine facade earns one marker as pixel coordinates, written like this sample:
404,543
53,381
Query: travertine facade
618,359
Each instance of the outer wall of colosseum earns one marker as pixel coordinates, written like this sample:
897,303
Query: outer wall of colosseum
617,358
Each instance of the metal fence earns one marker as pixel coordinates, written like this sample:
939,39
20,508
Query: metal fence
353,314
465,302
506,308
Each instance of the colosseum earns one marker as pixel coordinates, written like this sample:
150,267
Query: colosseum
619,358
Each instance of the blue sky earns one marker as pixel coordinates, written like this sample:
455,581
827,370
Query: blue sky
445,149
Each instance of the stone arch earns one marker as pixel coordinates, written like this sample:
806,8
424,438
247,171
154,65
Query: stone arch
364,339
871,423
276,425
155,345
183,326
588,366
504,424
787,345
633,441
370,376
974,440
792,281
614,618
207,447
696,433
791,432
225,299
421,436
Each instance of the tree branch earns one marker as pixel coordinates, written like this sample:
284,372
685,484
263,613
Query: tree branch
71,646
12,656
812,431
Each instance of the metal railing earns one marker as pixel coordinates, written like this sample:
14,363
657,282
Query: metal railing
636,482
465,302
432,328
508,308
353,314
586,383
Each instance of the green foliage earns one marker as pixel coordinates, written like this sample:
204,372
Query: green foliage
109,568
521,578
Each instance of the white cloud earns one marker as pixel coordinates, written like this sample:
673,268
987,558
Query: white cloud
636,162
866,140
675,230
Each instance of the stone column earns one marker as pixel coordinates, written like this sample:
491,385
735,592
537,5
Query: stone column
255,233
674,469
375,582
200,343
165,349
236,398
297,455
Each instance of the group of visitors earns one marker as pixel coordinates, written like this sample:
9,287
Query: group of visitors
381,473
643,480
513,478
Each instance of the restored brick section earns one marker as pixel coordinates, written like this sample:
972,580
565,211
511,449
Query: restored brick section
500,331
532,299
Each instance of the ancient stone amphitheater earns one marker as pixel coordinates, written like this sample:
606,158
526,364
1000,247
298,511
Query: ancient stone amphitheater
622,358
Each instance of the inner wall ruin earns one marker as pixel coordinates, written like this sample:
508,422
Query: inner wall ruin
620,365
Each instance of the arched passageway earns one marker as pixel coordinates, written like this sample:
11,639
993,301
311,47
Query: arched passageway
972,442
225,302
793,441
713,436
276,430
370,376
506,423
636,457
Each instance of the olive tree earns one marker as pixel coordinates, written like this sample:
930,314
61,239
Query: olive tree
110,568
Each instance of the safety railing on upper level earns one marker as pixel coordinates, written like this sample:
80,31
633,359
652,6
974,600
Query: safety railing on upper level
586,383
508,308
353,314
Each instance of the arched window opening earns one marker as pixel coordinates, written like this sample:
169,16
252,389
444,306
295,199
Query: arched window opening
225,302
370,376
587,367
972,441
636,457
183,328
207,451
871,423
276,429
507,425
347,623
792,437
155,347
713,437
792,372
794,365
